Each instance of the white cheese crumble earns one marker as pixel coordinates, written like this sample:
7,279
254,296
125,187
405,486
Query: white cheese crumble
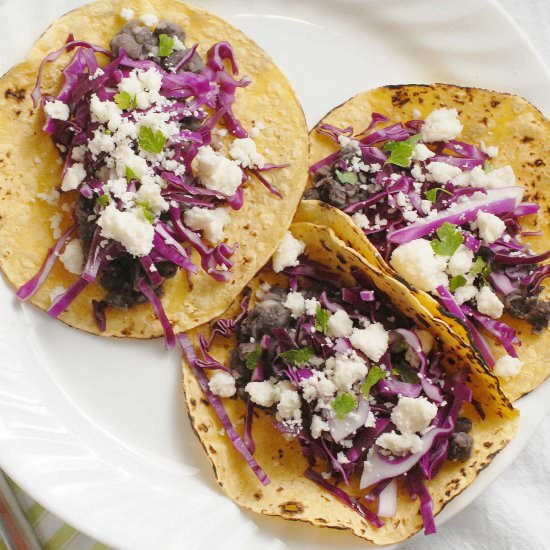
288,252
491,150
150,193
461,261
360,220
149,19
73,257
210,221
465,294
244,152
418,264
144,86
412,415
346,370
295,303
441,172
495,179
489,304
222,384
421,152
57,109
317,386
105,112
289,406
262,393
56,292
318,426
311,305
127,14
400,445
130,228
507,366
340,324
373,340
218,172
125,157
441,125
491,227
74,176
55,224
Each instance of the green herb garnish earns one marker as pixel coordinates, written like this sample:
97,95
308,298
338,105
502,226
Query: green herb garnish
322,317
152,142
298,356
252,358
125,101
166,45
480,267
488,167
456,282
431,194
344,404
450,238
405,372
146,209
346,177
373,377
104,200
401,151
130,174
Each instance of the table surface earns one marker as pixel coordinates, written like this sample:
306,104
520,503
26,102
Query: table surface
511,515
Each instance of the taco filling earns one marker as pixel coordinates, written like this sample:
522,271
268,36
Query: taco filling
143,152
349,377
444,218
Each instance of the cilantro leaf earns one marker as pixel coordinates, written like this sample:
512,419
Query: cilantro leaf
252,358
298,356
152,142
125,101
401,151
405,372
322,317
450,238
166,45
146,209
130,174
346,177
431,194
374,376
456,282
104,200
487,167
344,404
480,267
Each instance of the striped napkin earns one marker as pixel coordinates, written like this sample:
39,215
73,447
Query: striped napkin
26,525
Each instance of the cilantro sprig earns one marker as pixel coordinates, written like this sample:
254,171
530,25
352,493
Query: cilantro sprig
166,45
374,376
125,101
321,319
298,356
480,267
456,282
150,141
147,213
401,151
104,200
344,404
405,372
130,174
450,238
346,177
252,358
431,194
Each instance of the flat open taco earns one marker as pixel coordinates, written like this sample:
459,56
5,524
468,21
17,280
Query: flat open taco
153,154
328,394
449,187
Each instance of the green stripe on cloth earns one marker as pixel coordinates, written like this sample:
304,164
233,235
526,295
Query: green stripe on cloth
15,488
3,545
61,538
35,513
99,546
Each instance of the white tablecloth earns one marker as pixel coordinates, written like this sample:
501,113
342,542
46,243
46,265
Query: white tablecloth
514,513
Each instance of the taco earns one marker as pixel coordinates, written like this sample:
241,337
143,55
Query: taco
151,160
447,189
358,410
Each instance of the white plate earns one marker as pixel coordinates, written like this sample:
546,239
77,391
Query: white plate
95,430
